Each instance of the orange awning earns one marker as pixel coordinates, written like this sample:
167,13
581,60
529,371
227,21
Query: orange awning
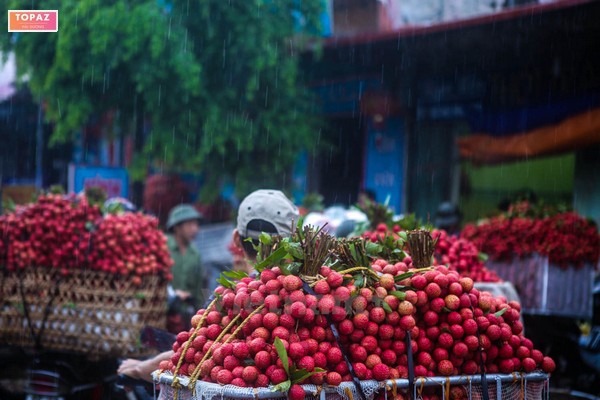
570,134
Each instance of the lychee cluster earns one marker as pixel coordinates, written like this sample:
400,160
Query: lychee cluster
451,324
461,255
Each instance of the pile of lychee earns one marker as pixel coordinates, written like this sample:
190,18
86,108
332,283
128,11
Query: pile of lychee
454,329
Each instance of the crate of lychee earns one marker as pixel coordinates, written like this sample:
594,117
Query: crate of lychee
550,259
76,278
333,318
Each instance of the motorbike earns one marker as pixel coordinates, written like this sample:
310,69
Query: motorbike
51,375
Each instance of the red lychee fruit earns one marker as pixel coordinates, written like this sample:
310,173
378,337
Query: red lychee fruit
307,363
506,366
230,362
457,331
548,365
424,358
406,308
537,356
418,282
377,315
359,303
272,302
381,372
224,377
270,321
407,322
445,340
333,378
296,351
430,318
445,367
470,327
433,290
281,333
322,287
437,305
262,381
318,333
470,367
335,279
241,350
262,360
420,370
358,353
528,364
320,360
296,392
452,302
291,283
297,310
326,304
360,370
387,281
389,357
334,356
372,361
460,350
385,332
250,374
277,376
287,321
472,342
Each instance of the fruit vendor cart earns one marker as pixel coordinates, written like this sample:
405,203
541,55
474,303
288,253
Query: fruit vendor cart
532,386
347,319
78,278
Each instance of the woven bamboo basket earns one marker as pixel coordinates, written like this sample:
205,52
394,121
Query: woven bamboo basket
88,312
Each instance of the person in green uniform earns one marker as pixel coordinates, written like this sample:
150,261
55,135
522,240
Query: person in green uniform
189,280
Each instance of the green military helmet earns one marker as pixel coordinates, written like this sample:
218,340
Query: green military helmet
182,213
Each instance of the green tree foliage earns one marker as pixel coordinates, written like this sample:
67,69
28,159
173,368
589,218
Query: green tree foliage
219,79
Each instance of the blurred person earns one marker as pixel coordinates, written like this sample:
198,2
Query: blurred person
188,277
448,218
264,210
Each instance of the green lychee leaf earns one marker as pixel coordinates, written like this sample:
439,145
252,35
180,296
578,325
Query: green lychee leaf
294,249
265,238
282,353
404,276
282,387
398,294
359,280
483,257
235,274
403,235
446,309
140,296
299,375
291,268
373,249
387,307
273,259
226,283
499,313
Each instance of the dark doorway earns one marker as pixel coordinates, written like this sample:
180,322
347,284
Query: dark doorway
341,164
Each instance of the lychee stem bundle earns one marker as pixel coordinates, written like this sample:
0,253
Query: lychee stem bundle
189,342
196,372
421,247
